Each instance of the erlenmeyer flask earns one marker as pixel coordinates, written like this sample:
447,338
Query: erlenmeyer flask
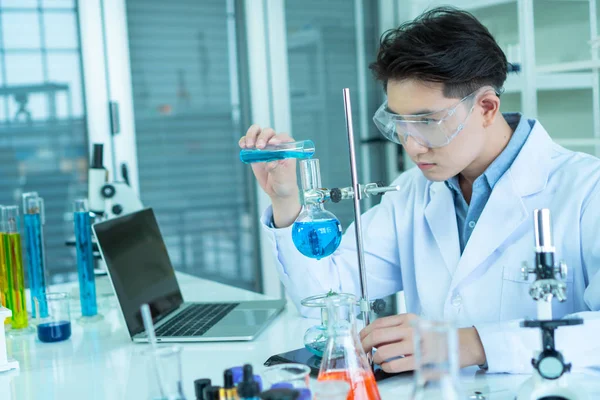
316,233
436,361
344,358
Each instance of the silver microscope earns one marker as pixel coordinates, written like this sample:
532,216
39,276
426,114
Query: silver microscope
549,380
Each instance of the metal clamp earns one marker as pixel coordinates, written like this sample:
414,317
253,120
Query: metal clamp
335,195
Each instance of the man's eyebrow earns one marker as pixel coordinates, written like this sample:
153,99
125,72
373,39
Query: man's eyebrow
420,112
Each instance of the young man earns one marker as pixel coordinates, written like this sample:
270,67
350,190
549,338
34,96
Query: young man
455,236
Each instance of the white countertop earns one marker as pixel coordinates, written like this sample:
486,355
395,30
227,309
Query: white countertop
101,362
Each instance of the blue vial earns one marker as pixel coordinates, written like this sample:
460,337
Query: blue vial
33,217
85,258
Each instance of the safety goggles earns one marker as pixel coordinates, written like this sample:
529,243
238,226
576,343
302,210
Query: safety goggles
435,129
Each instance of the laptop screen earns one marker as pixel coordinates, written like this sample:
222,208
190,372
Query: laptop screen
139,267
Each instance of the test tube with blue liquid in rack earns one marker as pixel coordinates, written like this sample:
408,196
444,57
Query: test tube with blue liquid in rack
33,216
85,262
301,150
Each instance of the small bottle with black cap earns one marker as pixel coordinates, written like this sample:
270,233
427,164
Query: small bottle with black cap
199,385
229,391
212,393
248,388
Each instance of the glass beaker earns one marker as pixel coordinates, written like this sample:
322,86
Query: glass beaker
316,233
164,370
56,326
344,358
436,361
301,150
298,375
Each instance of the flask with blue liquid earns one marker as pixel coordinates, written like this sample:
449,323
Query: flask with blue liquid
33,217
316,233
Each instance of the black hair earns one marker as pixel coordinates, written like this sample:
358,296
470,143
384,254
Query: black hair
443,45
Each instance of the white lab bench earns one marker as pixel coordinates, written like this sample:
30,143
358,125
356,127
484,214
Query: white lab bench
101,362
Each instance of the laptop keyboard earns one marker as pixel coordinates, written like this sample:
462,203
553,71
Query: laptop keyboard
195,320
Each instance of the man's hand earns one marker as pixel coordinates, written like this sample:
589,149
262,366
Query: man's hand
393,338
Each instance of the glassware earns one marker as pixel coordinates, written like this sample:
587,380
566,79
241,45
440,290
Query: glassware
164,372
33,216
85,262
315,337
301,150
436,361
316,233
331,390
3,272
56,326
344,358
298,375
13,253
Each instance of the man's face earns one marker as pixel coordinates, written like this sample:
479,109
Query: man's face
409,97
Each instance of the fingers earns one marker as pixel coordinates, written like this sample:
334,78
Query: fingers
394,320
388,352
399,365
257,137
264,137
250,136
382,336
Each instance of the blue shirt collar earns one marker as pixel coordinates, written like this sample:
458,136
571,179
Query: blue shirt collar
521,127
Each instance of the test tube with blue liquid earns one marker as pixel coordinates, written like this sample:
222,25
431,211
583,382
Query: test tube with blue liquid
316,233
85,262
33,216
301,150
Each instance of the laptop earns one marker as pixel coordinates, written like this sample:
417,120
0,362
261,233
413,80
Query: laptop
141,272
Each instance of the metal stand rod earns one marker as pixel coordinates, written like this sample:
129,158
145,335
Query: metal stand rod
364,300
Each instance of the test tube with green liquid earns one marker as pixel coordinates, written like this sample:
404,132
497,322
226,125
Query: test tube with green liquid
14,268
3,272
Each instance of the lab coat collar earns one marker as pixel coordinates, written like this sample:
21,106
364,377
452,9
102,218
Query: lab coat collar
502,215
441,218
531,168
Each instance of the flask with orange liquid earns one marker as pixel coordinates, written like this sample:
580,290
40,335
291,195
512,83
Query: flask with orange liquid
344,358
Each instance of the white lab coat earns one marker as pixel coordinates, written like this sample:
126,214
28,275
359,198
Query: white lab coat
411,243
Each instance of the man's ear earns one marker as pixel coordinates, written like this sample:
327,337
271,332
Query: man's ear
490,104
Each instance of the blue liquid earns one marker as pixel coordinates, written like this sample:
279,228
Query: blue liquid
85,264
51,332
36,263
317,239
254,155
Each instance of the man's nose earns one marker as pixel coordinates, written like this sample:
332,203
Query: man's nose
414,148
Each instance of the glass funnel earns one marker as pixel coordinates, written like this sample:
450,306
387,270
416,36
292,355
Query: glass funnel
316,233
436,361
344,358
